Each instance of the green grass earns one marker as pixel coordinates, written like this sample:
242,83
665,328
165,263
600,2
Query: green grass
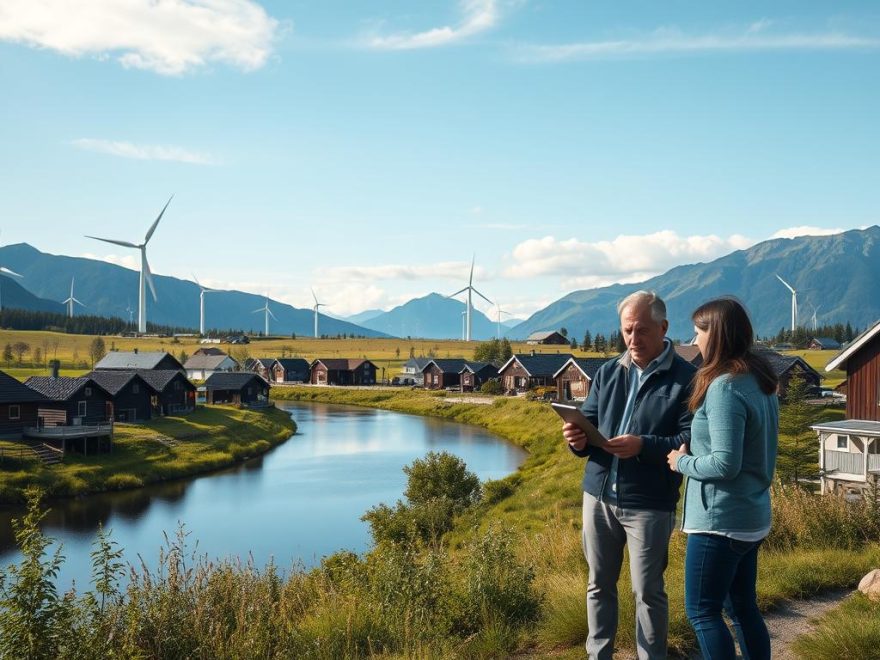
851,630
209,438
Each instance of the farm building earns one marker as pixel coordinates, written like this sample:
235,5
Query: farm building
242,388
474,374
849,450
342,371
547,337
574,377
290,370
18,406
200,366
824,344
173,394
441,373
525,371
131,394
126,360
411,373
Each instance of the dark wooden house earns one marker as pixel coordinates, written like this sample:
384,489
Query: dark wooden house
132,396
172,392
441,373
474,374
547,337
71,401
18,406
525,371
242,388
342,371
261,367
130,360
849,450
574,377
290,370
787,367
824,344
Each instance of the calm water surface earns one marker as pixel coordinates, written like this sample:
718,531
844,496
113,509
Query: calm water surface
299,502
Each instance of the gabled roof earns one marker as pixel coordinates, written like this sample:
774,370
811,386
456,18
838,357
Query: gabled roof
114,380
839,361
134,360
158,379
587,366
341,364
827,343
209,351
477,367
13,391
293,364
689,353
61,388
417,362
266,363
539,364
782,363
203,361
447,365
538,336
232,380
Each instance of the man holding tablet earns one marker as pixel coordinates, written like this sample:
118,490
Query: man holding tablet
639,403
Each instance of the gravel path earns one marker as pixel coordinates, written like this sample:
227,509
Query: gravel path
795,618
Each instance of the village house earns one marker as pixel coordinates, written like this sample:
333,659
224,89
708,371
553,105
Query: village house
18,406
547,337
132,396
787,367
849,450
524,371
290,370
440,373
71,401
261,366
242,388
202,365
690,353
342,371
824,344
172,394
411,373
128,360
574,377
474,374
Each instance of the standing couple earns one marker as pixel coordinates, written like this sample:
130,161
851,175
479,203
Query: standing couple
718,427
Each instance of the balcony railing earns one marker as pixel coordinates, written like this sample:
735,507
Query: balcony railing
844,462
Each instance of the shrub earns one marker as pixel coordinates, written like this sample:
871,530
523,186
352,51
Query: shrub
491,386
122,481
495,490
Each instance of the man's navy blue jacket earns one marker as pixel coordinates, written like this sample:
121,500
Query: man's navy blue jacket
660,416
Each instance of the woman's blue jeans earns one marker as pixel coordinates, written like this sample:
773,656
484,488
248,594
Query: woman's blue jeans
717,567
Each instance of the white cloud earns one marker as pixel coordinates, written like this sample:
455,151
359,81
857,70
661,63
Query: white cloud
130,261
623,257
143,151
672,41
477,16
170,37
794,232
454,270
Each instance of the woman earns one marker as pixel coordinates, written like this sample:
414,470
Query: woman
726,510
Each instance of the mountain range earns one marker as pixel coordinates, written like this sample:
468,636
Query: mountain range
838,275
432,316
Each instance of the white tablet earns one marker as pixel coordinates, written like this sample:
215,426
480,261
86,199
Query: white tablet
574,415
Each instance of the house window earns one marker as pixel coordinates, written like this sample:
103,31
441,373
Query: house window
88,391
15,412
81,409
842,441
135,389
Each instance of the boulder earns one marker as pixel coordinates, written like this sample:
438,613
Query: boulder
870,585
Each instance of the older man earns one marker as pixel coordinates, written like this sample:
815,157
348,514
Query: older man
639,402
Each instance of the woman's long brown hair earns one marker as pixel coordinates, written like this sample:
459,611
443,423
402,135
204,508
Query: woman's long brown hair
729,348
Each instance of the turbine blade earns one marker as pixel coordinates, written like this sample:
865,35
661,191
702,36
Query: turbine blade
156,222
78,302
110,240
259,309
482,296
457,292
314,296
71,285
787,285
148,275
9,272
471,279
271,314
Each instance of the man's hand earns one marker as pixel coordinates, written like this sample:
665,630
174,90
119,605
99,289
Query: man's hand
673,456
624,446
574,436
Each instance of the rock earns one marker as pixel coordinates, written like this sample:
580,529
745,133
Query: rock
870,585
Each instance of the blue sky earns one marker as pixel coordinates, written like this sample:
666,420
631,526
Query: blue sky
368,149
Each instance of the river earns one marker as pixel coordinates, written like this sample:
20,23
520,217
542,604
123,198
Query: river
297,503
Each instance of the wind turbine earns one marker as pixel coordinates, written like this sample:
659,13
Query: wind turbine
463,315
315,309
71,300
202,291
500,312
146,276
6,271
470,290
794,307
815,311
267,313
129,310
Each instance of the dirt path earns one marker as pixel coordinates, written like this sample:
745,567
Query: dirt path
795,618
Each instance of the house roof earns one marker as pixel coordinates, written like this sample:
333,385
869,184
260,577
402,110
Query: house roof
538,336
447,365
158,379
203,361
539,364
209,351
13,391
293,364
264,362
232,380
60,388
827,342
839,361
477,367
587,366
133,360
113,381
860,426
417,362
341,364
690,353
782,363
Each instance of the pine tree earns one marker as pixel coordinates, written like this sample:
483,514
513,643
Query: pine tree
587,343
797,456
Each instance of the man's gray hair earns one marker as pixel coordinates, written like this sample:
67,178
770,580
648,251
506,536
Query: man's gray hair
649,298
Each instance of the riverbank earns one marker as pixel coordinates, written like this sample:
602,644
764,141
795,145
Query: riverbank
208,439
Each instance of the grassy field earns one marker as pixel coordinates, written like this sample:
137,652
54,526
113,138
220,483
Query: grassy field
207,439
851,630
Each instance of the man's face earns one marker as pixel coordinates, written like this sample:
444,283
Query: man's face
642,334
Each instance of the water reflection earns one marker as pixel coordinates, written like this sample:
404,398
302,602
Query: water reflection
297,503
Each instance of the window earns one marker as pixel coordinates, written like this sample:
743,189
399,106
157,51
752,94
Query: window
81,409
15,412
842,441
135,389
88,391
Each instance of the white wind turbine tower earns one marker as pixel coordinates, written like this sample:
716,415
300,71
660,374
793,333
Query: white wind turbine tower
463,315
202,291
794,307
815,311
71,300
146,276
266,313
470,305
315,309
500,312
129,310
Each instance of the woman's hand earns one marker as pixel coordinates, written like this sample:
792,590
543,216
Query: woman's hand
673,456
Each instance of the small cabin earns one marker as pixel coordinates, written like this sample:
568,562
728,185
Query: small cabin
439,373
474,374
547,337
524,371
242,388
849,450
411,372
290,370
574,377
342,371
202,365
173,393
787,367
71,401
132,396
824,344
19,406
